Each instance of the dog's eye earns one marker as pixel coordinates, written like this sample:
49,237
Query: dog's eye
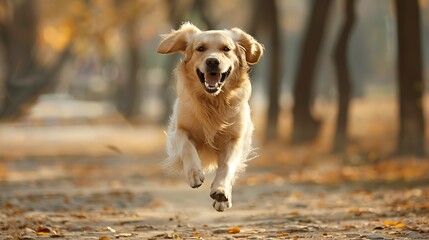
226,49
201,49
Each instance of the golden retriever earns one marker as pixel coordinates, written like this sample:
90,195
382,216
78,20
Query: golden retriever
210,125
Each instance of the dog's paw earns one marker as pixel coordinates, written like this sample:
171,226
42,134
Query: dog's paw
195,178
219,194
222,199
221,206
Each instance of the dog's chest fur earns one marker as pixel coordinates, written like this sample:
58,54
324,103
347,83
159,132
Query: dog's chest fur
210,122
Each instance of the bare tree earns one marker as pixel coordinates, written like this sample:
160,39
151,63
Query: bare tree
25,80
128,90
410,79
265,20
176,14
343,76
305,126
274,77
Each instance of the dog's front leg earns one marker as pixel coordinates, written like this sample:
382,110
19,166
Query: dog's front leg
190,159
221,189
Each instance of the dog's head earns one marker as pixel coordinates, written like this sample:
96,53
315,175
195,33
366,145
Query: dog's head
212,57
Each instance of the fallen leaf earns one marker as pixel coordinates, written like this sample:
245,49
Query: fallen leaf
27,230
359,211
104,238
297,195
143,227
79,215
294,213
233,230
177,237
196,235
56,234
155,204
123,235
114,148
167,236
349,226
283,235
396,224
43,231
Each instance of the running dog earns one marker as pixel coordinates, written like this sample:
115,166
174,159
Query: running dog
210,127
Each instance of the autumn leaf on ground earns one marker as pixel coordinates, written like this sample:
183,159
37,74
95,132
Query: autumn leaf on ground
167,236
233,230
359,211
121,235
177,237
111,229
396,224
294,213
280,235
114,148
79,215
43,231
196,235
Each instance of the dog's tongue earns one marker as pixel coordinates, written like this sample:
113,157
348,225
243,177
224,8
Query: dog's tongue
212,78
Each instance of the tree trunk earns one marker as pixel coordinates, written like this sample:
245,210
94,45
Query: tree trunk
176,17
275,48
343,77
305,127
410,79
25,81
265,23
200,7
128,90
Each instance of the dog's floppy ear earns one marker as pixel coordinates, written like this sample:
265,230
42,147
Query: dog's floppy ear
177,40
254,50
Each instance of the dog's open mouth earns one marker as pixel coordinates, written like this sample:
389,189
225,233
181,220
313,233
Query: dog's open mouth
213,81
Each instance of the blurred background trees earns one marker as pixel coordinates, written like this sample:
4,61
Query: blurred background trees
329,64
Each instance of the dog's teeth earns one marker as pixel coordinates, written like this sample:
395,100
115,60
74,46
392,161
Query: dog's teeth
216,86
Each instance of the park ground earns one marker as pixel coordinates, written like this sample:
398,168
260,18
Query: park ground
102,180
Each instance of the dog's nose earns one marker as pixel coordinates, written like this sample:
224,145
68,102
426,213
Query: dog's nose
212,62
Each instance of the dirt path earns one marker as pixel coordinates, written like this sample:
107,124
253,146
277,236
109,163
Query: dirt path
128,197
